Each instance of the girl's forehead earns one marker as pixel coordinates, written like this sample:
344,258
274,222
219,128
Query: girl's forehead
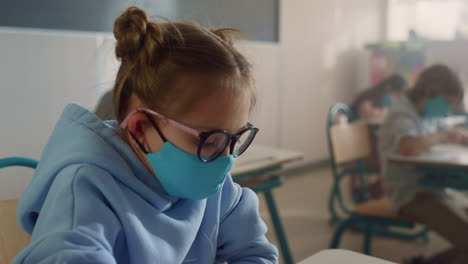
210,101
225,110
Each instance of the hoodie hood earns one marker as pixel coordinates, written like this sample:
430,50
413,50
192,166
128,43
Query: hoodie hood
81,137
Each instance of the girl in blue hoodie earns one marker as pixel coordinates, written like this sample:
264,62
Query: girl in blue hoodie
152,186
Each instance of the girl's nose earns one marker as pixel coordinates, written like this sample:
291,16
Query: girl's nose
226,151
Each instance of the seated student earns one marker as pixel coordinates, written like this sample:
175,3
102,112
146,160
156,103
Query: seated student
407,131
373,105
148,189
105,107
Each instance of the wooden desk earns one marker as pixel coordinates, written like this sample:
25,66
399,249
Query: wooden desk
443,166
440,156
339,256
260,169
260,159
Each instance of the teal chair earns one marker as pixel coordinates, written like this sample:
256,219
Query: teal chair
18,161
349,143
12,238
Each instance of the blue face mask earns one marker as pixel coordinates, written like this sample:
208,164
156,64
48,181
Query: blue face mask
437,107
387,100
183,175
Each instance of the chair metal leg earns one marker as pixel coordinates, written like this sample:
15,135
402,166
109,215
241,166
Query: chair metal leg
339,232
368,239
345,225
386,231
280,235
334,218
425,234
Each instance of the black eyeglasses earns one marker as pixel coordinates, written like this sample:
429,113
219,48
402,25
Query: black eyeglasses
212,143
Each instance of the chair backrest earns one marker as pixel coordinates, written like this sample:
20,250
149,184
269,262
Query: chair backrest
12,238
350,141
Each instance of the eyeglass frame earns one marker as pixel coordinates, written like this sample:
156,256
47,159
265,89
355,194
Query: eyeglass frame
201,135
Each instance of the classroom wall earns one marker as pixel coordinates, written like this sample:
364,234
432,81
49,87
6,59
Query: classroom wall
320,45
40,72
312,67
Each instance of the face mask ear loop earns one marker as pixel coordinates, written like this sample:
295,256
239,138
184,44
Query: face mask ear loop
156,127
140,146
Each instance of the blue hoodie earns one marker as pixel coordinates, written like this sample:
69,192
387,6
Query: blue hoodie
92,200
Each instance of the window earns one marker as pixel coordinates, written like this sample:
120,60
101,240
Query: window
427,19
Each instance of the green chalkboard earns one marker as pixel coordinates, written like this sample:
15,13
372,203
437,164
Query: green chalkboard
257,18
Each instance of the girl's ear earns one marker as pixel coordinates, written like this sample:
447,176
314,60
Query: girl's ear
137,125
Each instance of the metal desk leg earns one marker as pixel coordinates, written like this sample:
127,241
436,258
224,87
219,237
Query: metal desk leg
280,235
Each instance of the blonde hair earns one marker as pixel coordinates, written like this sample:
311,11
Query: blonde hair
153,54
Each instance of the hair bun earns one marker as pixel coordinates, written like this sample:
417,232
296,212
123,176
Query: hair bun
130,31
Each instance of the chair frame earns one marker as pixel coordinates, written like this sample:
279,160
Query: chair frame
8,206
343,216
275,180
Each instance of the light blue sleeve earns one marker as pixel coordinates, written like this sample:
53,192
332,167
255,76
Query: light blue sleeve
75,224
241,237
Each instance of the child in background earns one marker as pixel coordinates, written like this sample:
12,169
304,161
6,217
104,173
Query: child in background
408,131
372,106
105,107
153,186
